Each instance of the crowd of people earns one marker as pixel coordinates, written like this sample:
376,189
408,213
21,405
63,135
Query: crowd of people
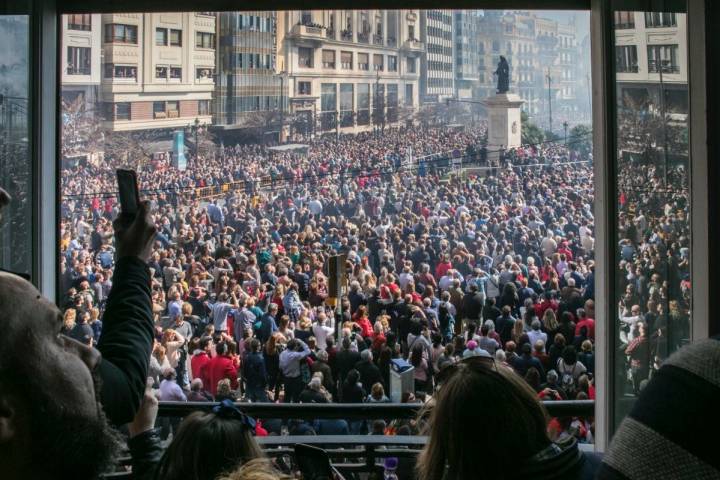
498,263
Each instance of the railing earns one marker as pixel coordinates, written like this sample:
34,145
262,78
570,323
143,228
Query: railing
352,411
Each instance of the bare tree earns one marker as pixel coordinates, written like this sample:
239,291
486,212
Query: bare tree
82,131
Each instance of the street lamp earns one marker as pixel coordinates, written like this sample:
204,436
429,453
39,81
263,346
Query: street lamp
565,127
661,67
195,129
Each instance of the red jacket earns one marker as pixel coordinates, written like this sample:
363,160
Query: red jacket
216,369
588,323
367,329
197,363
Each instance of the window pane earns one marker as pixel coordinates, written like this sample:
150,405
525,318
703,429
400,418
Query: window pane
161,36
653,296
15,162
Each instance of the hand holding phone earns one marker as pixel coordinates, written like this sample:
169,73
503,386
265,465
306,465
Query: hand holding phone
128,193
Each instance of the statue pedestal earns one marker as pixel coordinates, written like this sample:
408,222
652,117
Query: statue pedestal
504,125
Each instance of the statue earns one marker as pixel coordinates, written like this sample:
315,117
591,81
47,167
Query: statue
503,73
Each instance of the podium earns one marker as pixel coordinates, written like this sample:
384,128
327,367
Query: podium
401,379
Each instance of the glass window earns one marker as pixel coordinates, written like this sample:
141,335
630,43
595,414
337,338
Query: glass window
660,19
161,36
204,73
120,71
119,33
409,94
328,58
305,57
161,72
363,61
411,65
304,88
378,62
78,60
392,63
204,40
204,107
122,111
663,57
80,22
175,73
159,110
626,59
346,105
173,108
652,291
15,161
175,38
328,97
346,60
624,20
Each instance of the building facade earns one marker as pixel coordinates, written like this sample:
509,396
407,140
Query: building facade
437,81
250,85
568,70
650,56
80,57
349,70
467,52
158,70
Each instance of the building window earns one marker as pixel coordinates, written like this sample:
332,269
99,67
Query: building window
663,56
328,58
392,63
119,33
161,72
120,71
660,19
624,20
159,110
78,60
204,73
411,65
411,32
363,61
173,108
346,60
409,94
80,22
204,40
304,88
122,111
203,107
175,38
378,61
496,46
626,59
363,103
161,36
175,73
305,57
166,109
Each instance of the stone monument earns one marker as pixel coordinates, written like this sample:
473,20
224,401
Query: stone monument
503,110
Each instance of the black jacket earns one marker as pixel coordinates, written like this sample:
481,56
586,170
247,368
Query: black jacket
345,361
126,340
369,374
472,305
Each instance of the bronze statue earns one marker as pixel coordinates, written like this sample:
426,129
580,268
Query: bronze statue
503,73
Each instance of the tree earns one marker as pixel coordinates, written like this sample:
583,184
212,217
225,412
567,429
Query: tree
129,149
259,123
81,129
580,140
531,133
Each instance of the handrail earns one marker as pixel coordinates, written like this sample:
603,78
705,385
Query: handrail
351,411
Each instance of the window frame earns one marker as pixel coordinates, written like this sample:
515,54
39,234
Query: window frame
46,42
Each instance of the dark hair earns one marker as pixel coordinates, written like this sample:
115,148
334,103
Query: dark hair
416,355
204,342
569,355
222,348
207,445
254,345
514,434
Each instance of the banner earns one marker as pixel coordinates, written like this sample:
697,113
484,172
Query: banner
179,160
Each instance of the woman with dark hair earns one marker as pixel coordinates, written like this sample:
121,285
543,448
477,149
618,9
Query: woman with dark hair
421,370
510,298
209,444
515,438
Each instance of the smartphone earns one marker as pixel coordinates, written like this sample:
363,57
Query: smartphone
128,190
314,463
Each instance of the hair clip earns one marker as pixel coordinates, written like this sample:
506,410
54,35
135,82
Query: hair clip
227,409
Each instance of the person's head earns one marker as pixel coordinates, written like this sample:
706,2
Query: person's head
366,355
210,443
377,392
256,469
454,436
535,325
50,403
569,355
196,385
205,344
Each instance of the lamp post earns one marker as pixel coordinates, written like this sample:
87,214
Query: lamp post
549,80
195,127
662,64
565,127
282,104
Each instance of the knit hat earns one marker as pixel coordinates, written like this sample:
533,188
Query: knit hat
663,435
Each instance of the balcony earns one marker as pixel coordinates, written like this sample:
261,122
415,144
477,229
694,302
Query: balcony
377,39
413,47
308,35
363,37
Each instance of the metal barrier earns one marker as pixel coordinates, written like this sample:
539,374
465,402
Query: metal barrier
352,411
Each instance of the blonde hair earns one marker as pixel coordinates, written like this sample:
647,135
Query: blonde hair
223,387
550,320
256,469
69,318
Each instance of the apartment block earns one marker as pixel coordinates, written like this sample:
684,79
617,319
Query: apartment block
158,70
349,70
437,80
81,57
